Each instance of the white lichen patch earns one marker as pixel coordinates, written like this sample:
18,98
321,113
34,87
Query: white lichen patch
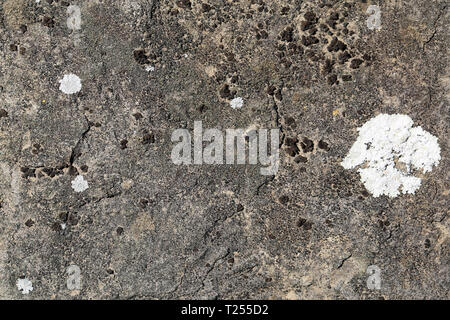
24,285
387,142
237,103
70,84
79,184
149,68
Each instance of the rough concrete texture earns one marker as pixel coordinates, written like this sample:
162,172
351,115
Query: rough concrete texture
149,229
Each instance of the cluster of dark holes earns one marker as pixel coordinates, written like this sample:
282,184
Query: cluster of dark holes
275,92
307,146
147,138
48,21
310,25
14,48
28,172
143,203
64,217
227,90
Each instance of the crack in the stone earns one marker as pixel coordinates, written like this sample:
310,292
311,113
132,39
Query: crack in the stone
278,124
217,222
76,150
265,182
108,196
180,282
343,261
211,269
435,27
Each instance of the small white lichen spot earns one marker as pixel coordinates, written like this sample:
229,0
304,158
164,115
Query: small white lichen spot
391,150
237,103
79,184
149,68
24,285
70,84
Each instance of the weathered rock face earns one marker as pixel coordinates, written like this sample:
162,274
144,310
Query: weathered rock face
91,91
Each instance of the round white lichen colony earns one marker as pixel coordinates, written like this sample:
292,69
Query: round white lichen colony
384,144
79,184
24,285
70,84
237,103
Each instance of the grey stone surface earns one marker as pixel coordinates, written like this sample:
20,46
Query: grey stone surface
148,229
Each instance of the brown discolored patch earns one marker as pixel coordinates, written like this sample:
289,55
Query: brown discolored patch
143,223
13,11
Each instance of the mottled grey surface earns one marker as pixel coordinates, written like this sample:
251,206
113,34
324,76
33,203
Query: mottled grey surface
148,229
